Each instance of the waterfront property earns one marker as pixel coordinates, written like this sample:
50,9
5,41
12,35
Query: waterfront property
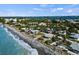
50,34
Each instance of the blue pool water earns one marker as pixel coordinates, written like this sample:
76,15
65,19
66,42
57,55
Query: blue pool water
11,45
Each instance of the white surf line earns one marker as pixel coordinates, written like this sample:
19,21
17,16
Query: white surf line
22,43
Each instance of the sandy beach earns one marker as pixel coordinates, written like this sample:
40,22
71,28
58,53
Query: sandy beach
42,49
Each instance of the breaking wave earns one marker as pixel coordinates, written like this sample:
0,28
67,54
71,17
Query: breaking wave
22,43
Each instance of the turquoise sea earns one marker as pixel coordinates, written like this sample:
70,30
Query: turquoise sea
11,45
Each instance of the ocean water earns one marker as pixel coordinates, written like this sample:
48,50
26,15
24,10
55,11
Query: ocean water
11,45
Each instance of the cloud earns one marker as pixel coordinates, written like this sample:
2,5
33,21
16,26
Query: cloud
59,8
11,12
69,11
38,9
43,5
8,12
56,9
53,10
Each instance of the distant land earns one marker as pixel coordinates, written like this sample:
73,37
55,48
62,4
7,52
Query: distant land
42,17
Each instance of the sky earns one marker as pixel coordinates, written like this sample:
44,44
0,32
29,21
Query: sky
39,9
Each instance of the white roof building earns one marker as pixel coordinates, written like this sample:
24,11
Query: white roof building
34,31
42,23
48,35
75,36
75,46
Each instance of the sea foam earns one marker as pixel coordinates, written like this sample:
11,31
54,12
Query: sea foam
22,43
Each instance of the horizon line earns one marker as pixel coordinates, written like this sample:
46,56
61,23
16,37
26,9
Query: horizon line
39,16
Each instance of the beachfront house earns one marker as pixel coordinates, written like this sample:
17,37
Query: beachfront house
6,20
75,47
76,36
32,31
35,31
48,36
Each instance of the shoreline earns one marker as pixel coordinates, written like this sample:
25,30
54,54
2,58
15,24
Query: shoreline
42,49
